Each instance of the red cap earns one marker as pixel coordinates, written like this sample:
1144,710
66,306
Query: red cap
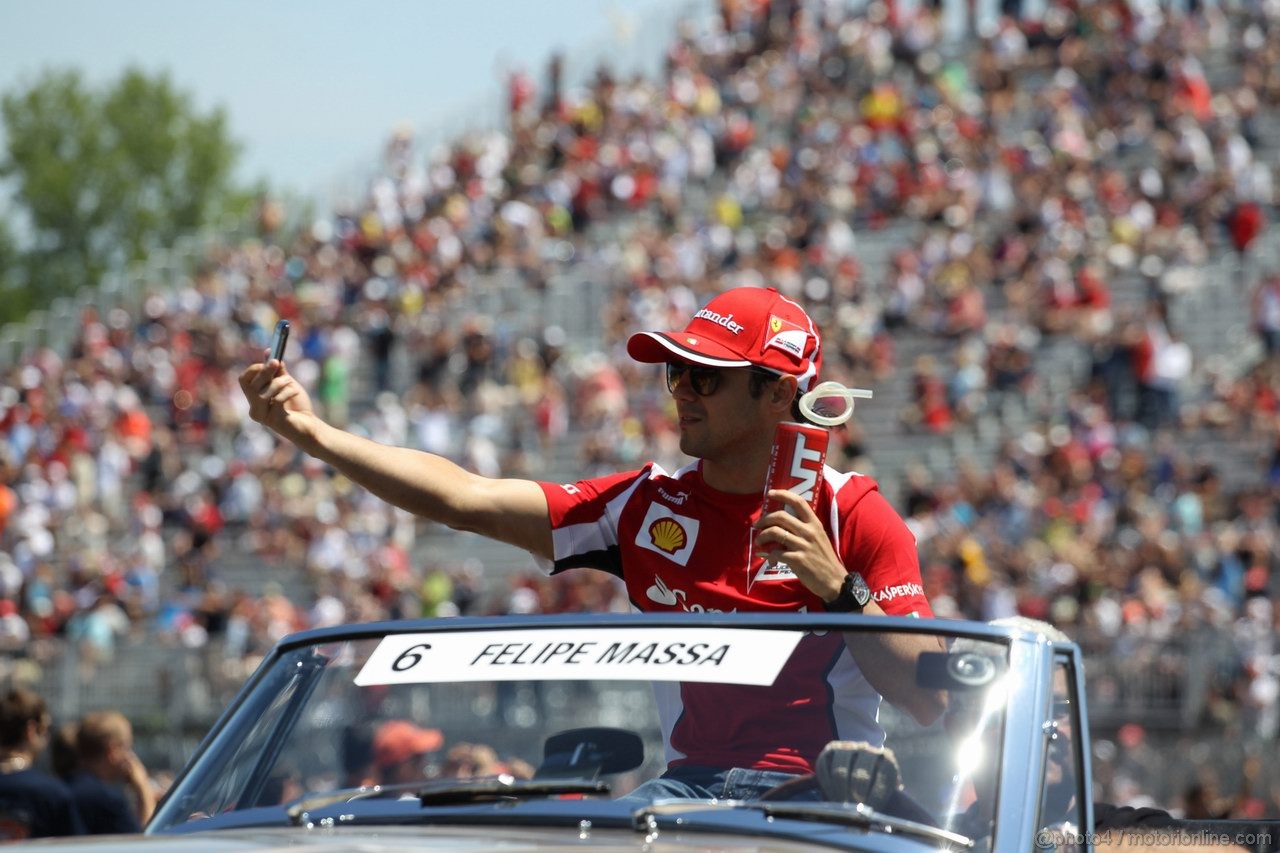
399,740
742,327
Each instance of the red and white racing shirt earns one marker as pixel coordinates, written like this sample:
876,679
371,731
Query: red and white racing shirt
680,545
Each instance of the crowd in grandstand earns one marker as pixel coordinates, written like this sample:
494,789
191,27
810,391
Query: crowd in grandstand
1044,162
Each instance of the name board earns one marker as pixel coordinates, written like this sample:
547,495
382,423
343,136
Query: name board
717,655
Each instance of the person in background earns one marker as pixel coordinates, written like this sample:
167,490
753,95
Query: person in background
33,804
401,751
110,785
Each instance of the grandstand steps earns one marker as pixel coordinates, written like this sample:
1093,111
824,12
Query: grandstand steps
1240,459
564,464
1062,363
440,547
874,249
1214,320
576,302
241,570
1130,293
893,447
159,685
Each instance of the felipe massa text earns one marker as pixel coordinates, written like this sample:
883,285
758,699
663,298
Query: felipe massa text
528,654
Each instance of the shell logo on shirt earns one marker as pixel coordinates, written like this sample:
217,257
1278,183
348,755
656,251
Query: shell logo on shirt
666,533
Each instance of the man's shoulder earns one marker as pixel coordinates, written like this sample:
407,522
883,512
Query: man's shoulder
103,806
601,482
87,784
611,494
655,480
849,487
35,783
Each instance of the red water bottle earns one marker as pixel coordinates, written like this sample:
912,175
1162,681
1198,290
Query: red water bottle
796,464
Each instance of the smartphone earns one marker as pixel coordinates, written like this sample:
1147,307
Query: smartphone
279,338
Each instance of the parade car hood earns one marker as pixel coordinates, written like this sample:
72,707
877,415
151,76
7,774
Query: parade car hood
477,840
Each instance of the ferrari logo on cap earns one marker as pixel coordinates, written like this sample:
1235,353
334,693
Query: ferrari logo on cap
786,336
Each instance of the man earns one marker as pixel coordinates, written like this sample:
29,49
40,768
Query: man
106,762
694,540
401,750
33,804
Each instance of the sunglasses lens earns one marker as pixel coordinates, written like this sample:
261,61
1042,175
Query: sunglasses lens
703,380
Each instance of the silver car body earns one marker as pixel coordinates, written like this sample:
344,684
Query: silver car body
1041,676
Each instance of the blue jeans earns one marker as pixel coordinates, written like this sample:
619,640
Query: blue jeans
712,783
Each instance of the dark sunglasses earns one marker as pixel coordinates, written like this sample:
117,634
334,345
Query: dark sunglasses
703,380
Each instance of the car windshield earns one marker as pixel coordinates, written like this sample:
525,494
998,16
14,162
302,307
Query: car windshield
413,721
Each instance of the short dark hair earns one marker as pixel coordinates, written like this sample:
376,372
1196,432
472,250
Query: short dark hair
19,707
755,387
99,730
62,751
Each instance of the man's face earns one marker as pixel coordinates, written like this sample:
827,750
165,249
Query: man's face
412,769
716,414
120,752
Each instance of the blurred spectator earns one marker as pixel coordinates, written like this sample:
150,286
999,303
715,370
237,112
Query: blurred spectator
33,804
106,769
401,751
1266,312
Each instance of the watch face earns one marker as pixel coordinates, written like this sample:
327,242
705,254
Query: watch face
861,592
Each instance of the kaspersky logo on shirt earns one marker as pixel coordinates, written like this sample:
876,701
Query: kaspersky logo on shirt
666,533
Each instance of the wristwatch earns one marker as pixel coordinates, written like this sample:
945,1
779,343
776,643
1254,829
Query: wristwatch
854,595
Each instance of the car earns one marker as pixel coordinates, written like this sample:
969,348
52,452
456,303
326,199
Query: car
535,731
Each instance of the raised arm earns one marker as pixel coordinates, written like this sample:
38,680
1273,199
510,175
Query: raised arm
511,511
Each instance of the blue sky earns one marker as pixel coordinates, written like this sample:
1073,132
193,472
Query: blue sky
312,89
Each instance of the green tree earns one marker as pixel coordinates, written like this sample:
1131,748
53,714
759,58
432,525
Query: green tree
105,176
15,297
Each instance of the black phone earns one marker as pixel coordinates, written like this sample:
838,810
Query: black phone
279,338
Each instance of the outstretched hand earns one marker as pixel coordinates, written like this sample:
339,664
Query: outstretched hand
798,539
277,400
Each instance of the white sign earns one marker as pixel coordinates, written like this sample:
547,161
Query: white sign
719,655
